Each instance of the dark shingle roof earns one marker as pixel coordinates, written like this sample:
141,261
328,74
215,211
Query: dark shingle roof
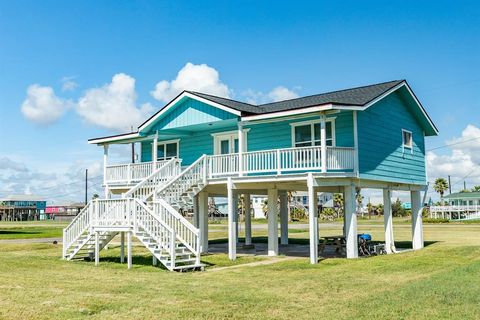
237,105
352,97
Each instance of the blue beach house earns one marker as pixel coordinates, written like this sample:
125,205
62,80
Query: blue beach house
199,146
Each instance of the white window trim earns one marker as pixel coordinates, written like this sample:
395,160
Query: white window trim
165,142
293,125
404,146
218,136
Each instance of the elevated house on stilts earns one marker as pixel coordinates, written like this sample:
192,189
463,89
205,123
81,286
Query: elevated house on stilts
199,146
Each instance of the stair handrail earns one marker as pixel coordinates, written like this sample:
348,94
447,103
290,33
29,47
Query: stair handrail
83,214
169,242
191,239
153,175
184,173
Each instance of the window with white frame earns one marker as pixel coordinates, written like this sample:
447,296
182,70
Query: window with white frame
305,134
167,150
407,140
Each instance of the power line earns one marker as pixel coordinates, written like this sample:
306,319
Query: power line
453,144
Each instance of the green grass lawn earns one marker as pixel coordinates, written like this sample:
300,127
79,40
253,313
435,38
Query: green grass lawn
31,229
440,282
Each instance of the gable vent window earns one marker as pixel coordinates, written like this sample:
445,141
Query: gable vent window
407,140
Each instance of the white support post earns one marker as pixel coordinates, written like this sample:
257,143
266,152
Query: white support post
312,219
105,163
122,247
236,216
241,141
232,228
272,222
155,151
284,218
417,223
129,249
388,221
97,248
196,216
323,143
248,220
355,144
351,222
203,220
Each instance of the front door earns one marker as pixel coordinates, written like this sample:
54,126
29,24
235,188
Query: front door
226,151
228,144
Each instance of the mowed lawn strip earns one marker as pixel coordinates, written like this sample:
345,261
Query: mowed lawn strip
438,282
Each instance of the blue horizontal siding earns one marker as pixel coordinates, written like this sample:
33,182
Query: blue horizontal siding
190,112
278,134
381,156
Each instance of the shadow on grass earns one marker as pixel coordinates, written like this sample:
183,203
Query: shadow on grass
18,232
300,241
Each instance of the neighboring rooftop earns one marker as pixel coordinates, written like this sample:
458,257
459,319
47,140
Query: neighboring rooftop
22,197
463,195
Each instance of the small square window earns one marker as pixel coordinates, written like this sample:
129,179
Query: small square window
407,139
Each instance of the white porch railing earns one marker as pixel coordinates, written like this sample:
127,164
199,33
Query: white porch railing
281,160
274,161
131,172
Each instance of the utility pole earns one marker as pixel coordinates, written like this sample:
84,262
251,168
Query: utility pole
133,149
449,186
86,185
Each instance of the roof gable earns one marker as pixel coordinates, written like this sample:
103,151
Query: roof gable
190,112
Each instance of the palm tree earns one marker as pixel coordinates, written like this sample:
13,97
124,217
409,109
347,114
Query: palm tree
359,198
440,186
338,203
476,189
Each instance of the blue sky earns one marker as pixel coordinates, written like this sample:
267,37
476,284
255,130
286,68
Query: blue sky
254,46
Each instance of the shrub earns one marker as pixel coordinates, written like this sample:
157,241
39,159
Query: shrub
433,220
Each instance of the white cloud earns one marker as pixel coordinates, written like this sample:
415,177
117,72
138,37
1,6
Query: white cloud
282,93
53,185
192,77
461,163
279,93
9,164
42,106
68,84
113,106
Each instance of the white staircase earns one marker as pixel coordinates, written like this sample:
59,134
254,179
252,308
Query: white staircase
172,239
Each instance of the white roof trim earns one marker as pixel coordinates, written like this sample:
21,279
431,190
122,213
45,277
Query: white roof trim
287,113
115,138
177,99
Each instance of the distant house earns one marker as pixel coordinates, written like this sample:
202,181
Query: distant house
463,199
63,211
199,146
458,206
22,208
